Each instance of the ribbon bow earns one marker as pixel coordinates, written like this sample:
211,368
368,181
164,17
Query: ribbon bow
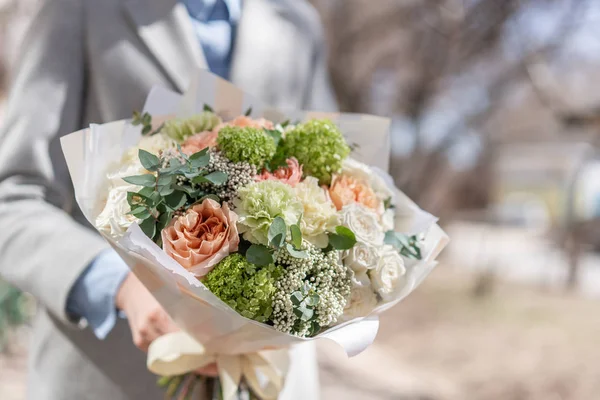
178,353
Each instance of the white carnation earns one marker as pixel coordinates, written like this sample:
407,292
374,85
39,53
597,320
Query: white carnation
114,219
388,276
319,215
361,258
364,223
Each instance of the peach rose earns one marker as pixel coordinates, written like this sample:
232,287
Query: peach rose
201,237
291,175
243,122
199,141
346,190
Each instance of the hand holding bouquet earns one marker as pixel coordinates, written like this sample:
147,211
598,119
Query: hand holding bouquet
254,234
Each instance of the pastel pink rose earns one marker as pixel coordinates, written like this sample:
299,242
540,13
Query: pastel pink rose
199,141
243,122
291,175
202,237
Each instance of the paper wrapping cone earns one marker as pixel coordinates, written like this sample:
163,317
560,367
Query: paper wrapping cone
90,152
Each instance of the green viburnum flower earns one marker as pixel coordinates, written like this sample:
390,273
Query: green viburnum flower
250,145
259,203
245,287
319,146
180,129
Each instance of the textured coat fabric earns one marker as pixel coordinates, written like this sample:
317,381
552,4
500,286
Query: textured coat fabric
87,61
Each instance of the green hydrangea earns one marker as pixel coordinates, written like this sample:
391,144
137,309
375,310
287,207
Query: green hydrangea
250,145
245,287
259,203
180,129
319,146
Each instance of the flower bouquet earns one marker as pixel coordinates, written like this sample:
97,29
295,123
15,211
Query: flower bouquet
253,232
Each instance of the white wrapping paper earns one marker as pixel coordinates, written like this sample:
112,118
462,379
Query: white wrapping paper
89,154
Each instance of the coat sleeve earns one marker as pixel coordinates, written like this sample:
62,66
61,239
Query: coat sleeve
42,249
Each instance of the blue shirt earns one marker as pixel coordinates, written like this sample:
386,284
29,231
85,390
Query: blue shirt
92,298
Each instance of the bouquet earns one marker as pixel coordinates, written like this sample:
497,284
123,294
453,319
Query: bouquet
253,232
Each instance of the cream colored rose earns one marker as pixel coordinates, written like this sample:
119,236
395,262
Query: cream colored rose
388,276
153,144
364,223
367,174
387,220
114,219
361,258
319,216
362,300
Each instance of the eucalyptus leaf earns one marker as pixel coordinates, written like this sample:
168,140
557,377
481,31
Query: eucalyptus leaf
216,178
147,180
312,299
148,160
213,197
175,200
208,108
148,226
296,236
259,255
277,232
248,112
307,313
146,129
140,212
297,298
200,159
343,239
296,253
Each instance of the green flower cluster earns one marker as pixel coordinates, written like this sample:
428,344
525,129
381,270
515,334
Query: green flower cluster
319,147
250,145
180,129
245,287
259,203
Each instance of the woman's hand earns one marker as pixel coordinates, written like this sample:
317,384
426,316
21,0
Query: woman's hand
147,319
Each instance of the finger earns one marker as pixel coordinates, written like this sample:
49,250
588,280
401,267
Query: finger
209,370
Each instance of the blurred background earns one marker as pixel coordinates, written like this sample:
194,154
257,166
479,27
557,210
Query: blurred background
496,128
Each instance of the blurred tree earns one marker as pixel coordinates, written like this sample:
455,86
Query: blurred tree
471,54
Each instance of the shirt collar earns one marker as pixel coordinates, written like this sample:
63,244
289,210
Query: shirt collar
201,9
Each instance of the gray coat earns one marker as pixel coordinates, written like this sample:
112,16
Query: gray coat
95,61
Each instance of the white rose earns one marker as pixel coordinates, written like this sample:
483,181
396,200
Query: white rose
114,218
373,176
361,258
388,276
364,223
361,302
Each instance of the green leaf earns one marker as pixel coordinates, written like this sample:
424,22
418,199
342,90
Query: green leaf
387,203
296,236
407,245
277,232
174,166
146,129
208,108
164,220
146,119
343,239
175,200
297,298
259,255
312,300
296,253
147,180
248,112
216,178
307,313
140,212
146,192
148,160
275,134
314,328
148,226
200,159
285,123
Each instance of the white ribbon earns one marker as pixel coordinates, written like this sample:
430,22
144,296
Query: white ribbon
178,353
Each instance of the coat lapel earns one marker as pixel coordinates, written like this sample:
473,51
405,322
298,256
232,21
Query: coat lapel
165,28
